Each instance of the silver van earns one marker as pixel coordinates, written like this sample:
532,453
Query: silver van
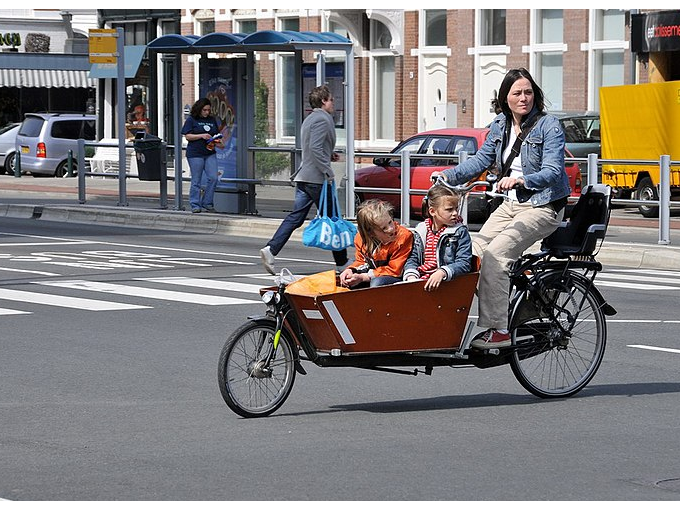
44,140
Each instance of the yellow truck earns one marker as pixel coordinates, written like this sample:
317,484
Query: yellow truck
640,122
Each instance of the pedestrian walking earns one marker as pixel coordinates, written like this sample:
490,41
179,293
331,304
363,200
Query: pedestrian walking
317,142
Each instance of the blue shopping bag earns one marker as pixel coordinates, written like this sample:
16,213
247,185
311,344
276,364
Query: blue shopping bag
329,232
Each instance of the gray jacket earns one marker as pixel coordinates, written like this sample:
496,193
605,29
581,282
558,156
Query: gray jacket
317,142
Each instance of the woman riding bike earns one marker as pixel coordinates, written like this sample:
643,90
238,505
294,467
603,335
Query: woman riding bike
528,146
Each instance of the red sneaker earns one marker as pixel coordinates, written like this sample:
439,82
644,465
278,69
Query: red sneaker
492,339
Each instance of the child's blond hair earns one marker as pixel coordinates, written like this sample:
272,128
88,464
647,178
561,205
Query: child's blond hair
369,215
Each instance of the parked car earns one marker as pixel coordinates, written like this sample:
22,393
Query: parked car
45,139
386,171
8,135
581,134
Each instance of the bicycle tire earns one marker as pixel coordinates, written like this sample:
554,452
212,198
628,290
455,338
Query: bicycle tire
250,388
545,361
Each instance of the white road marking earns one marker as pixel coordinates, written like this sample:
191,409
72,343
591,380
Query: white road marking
167,295
8,311
207,284
652,348
41,273
64,301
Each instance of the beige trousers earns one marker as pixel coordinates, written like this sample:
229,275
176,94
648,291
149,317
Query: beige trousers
509,231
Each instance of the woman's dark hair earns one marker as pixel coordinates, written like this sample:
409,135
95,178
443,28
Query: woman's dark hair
198,106
511,77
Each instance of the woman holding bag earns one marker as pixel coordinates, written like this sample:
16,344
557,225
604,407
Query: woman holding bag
317,142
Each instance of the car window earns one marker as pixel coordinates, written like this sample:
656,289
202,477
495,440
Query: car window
69,129
6,128
581,129
468,145
31,126
412,145
89,130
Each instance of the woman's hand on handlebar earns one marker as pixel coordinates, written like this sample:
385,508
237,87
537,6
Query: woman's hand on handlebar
434,176
508,183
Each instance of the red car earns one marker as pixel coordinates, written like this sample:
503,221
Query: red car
386,172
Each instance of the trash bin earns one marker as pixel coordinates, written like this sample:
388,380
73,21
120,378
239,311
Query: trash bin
150,154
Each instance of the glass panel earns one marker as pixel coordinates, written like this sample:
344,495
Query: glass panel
290,24
550,65
612,68
336,28
288,96
380,35
493,27
69,129
247,26
550,26
385,98
612,25
435,27
207,27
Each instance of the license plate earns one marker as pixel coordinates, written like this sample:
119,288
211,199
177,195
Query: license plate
24,149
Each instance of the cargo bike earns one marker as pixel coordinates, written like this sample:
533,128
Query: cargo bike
556,321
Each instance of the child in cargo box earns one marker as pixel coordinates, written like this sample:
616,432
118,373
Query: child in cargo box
442,248
382,246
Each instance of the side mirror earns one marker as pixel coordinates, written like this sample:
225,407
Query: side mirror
380,161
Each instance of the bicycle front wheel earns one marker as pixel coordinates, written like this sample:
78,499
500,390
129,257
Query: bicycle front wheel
557,353
251,386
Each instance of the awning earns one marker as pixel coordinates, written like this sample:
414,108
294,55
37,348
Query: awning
48,78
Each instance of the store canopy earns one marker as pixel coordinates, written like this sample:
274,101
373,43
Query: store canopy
48,78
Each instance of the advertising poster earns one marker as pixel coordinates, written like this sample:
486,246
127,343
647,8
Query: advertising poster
217,83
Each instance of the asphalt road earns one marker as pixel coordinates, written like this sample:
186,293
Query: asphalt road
119,401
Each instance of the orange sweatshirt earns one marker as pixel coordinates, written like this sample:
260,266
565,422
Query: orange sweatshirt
393,255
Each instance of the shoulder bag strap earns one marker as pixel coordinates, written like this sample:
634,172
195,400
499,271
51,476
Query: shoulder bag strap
323,206
505,171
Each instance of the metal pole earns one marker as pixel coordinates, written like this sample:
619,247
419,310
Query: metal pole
177,99
462,156
81,173
592,169
664,199
349,133
120,99
406,187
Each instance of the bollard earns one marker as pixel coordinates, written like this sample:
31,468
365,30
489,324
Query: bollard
406,187
69,164
664,199
17,164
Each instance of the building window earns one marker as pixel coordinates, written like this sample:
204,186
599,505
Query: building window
206,26
384,98
337,28
286,96
493,27
435,27
133,33
547,55
290,24
246,26
606,52
381,38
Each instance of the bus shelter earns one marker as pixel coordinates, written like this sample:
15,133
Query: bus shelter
241,50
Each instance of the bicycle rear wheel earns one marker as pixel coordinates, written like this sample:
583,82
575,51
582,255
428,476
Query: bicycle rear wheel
251,387
558,356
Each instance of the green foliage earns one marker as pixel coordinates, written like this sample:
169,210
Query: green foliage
266,163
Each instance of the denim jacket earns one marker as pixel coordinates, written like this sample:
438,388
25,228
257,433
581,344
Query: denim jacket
454,251
542,156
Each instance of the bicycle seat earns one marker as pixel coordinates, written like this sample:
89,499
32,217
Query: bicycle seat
588,223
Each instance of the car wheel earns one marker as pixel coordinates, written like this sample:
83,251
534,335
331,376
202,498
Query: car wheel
647,191
62,169
10,164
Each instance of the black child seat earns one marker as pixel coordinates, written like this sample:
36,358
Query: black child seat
588,223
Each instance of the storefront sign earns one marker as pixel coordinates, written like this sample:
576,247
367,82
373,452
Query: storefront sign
12,39
655,31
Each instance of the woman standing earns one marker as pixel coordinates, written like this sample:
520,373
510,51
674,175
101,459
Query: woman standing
528,146
199,129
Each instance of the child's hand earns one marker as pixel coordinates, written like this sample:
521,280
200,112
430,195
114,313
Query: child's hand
434,280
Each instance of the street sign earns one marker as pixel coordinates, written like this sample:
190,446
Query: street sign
103,45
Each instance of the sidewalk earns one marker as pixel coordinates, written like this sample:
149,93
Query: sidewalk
632,240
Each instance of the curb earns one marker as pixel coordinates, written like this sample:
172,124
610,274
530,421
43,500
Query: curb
611,253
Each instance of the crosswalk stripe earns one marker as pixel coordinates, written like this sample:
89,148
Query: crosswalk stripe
636,286
64,301
9,311
207,284
646,278
129,290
